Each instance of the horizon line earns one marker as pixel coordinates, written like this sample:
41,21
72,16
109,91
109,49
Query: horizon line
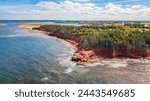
75,20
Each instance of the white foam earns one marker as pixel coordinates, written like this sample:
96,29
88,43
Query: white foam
16,35
95,64
70,65
65,61
45,78
64,54
69,70
138,60
115,63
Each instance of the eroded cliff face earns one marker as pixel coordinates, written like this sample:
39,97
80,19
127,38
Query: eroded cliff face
112,53
83,55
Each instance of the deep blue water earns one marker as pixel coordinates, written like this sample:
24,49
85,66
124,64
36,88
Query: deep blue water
27,57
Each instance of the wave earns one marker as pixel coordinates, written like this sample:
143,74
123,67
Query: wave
67,63
115,63
65,58
142,60
17,35
95,64
44,79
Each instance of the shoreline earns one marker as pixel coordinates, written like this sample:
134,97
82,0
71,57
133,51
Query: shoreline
92,59
73,44
82,56
30,28
89,56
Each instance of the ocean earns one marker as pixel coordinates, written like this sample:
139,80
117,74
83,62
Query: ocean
34,58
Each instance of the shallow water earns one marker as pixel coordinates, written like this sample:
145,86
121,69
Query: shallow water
27,57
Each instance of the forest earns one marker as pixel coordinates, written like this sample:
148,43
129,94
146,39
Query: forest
117,37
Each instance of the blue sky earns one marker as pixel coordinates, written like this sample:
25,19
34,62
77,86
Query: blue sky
143,2
75,9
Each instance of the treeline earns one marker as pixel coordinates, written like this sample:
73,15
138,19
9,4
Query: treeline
104,37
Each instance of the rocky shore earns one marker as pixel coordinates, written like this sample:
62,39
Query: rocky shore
113,67
81,55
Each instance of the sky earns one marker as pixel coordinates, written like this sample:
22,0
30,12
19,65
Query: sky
75,10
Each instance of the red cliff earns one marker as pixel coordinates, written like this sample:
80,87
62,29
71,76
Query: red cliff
86,55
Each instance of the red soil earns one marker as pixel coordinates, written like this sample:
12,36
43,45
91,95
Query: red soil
112,53
82,55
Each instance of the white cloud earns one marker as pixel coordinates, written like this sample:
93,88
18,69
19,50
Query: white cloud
69,7
71,10
93,12
82,0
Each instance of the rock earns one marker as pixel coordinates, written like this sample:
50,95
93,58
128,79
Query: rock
35,28
84,59
77,57
87,53
82,56
148,58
